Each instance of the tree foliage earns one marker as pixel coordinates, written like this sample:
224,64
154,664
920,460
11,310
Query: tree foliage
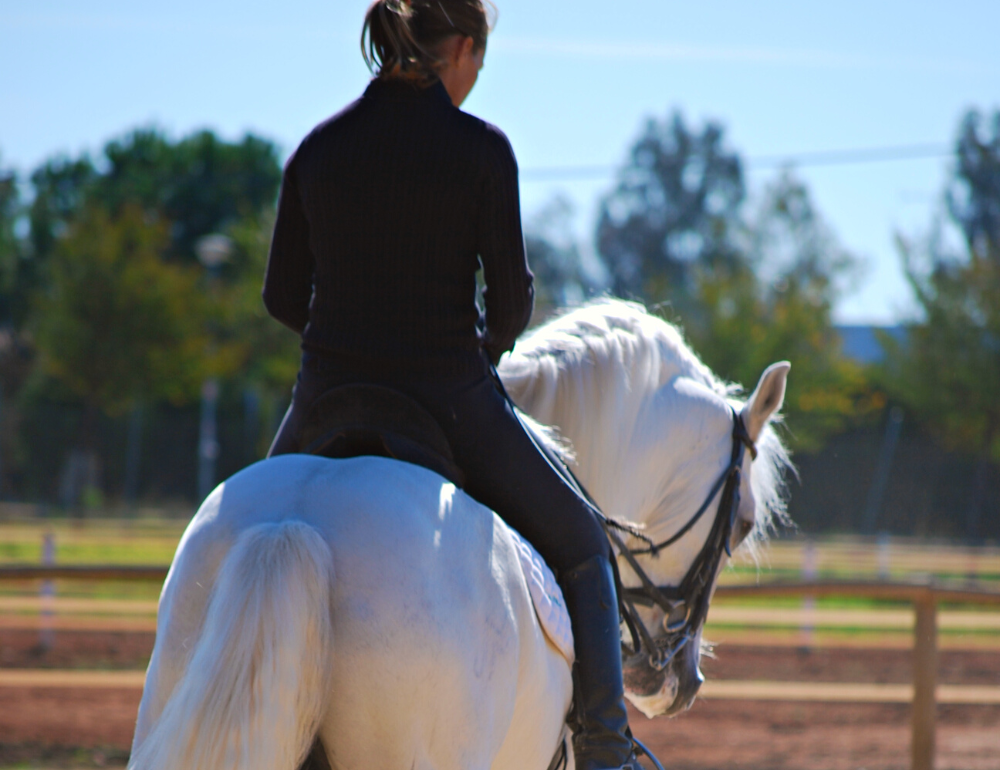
675,206
561,278
200,184
947,371
974,194
749,285
107,282
116,322
157,198
776,303
61,189
103,304
10,248
268,352
948,368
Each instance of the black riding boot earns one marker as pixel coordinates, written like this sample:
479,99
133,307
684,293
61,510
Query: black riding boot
601,740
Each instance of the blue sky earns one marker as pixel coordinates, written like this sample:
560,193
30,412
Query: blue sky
570,82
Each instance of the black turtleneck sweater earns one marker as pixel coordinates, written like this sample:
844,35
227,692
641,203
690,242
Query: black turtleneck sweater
385,213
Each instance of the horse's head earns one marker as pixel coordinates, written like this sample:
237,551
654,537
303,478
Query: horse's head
707,507
652,432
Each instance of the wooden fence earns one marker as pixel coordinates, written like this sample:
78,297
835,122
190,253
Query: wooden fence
925,597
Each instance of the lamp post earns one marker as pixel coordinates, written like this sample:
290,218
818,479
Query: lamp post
212,250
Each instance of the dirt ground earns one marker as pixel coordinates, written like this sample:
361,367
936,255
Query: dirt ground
741,735
76,649
81,727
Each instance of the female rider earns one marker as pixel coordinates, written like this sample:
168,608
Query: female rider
386,211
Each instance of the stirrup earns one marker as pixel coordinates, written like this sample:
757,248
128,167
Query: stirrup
641,750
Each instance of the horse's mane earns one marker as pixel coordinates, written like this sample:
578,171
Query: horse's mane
614,353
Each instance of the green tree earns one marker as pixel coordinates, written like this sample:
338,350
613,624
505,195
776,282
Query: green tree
124,223
556,260
61,187
974,194
676,205
749,288
193,187
10,247
947,370
116,323
269,352
15,362
776,303
60,190
201,184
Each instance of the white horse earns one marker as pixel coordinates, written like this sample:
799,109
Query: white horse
372,604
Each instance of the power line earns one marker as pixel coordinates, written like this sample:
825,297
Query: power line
762,162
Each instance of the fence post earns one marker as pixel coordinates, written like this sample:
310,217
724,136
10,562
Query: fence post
924,680
810,570
208,443
47,594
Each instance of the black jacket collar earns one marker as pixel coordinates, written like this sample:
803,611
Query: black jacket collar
395,88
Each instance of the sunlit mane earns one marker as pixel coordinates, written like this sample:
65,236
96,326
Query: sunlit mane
592,370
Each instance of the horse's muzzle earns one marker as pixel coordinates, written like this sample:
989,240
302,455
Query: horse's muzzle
669,691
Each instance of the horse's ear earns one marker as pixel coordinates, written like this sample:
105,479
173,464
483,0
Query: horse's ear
766,398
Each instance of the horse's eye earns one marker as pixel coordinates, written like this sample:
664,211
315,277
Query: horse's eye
741,530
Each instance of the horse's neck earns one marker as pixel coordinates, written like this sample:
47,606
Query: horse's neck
595,411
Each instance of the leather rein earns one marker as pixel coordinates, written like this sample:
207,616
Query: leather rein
685,606
694,592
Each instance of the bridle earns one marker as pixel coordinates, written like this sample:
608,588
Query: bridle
685,606
694,592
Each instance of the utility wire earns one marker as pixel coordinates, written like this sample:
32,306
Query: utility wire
761,162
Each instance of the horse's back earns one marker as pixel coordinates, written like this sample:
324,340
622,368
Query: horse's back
429,608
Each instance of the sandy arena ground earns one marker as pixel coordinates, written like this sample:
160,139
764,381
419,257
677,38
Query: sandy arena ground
92,727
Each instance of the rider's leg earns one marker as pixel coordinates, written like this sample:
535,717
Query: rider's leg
599,720
286,440
315,377
505,471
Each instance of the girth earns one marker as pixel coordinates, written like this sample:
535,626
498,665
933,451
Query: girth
361,419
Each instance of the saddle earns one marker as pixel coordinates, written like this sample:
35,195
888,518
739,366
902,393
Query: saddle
361,419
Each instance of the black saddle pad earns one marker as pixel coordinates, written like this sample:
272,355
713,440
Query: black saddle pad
355,420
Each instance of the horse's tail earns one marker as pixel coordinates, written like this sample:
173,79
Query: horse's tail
255,688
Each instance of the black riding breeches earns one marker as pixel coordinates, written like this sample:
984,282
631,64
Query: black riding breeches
503,468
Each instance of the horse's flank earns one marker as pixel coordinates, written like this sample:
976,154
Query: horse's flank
437,656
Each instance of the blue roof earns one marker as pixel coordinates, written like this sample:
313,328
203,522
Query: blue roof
861,342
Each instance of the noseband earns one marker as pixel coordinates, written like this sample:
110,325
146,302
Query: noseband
685,606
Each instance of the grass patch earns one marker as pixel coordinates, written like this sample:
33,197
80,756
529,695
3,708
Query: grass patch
92,542
36,756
